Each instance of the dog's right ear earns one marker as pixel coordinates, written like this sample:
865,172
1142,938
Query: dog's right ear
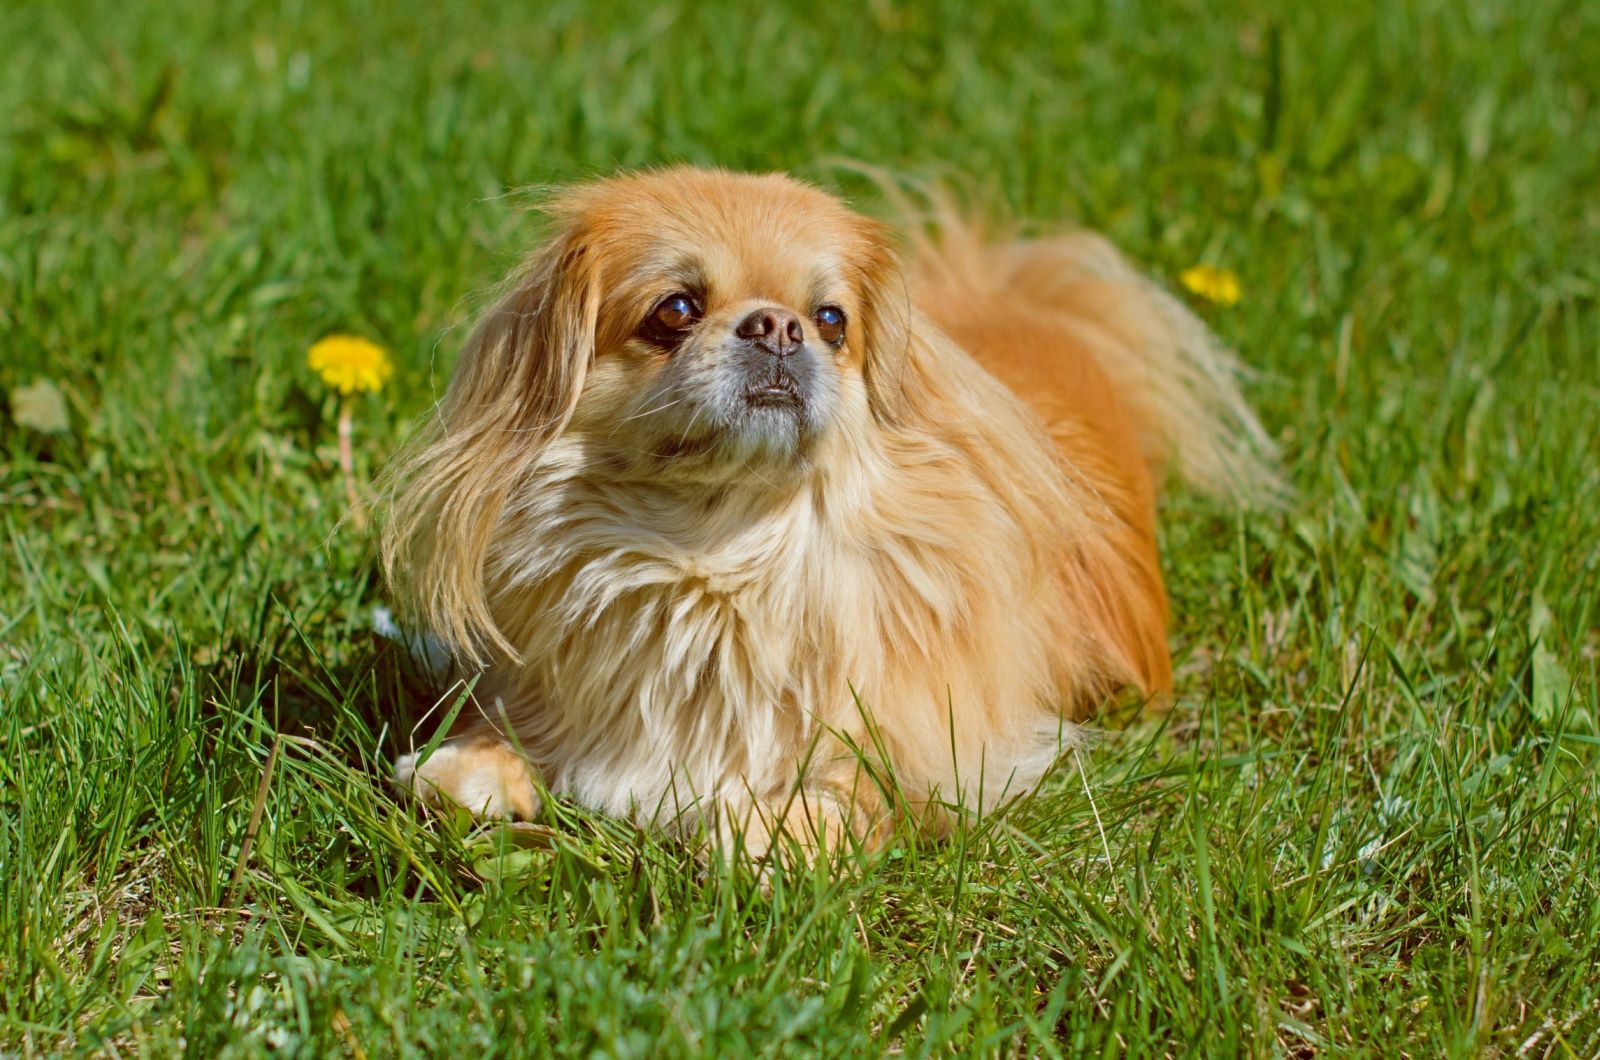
524,365
514,390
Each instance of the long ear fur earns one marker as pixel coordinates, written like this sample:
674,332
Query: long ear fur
514,390
886,326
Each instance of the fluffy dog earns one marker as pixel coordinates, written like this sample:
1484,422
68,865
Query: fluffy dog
731,504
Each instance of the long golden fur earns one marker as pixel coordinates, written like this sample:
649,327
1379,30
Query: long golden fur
929,545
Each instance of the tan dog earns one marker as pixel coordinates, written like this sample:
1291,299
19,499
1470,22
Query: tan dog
732,505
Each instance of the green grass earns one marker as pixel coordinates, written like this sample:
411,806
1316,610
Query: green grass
1370,825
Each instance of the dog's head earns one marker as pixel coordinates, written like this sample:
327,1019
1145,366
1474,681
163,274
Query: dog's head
687,325
690,321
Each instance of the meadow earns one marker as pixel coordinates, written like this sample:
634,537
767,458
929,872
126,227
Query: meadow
1369,824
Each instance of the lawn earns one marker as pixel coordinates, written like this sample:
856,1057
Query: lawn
1370,822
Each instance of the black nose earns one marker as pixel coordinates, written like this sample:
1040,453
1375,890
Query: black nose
775,330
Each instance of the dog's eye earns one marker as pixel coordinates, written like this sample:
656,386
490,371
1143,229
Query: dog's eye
676,312
830,323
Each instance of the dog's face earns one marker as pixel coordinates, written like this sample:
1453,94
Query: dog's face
733,318
686,322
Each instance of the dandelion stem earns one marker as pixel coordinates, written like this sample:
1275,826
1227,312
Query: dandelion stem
347,462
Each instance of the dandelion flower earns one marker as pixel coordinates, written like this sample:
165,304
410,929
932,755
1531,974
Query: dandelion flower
349,364
1214,284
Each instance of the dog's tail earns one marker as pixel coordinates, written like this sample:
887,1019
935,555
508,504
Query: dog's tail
1180,383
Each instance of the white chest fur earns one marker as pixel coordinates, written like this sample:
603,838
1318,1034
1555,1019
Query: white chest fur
686,657
684,647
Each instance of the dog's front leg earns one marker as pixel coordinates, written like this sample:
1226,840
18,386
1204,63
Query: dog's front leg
482,774
817,817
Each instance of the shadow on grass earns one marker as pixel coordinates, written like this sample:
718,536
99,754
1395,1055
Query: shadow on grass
361,696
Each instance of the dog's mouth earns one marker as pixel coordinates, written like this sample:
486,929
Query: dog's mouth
778,392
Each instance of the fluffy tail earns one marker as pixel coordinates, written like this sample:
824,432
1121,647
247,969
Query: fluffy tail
1180,383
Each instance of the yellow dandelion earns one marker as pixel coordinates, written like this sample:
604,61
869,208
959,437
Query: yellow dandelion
350,364
1212,283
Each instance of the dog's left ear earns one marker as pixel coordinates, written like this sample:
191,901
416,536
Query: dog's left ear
887,329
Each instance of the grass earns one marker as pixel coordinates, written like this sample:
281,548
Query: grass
1369,826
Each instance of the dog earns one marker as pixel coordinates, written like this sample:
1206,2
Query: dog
735,508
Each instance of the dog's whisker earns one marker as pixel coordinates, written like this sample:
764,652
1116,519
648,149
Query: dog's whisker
649,412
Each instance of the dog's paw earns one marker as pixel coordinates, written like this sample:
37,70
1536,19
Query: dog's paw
488,778
816,822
